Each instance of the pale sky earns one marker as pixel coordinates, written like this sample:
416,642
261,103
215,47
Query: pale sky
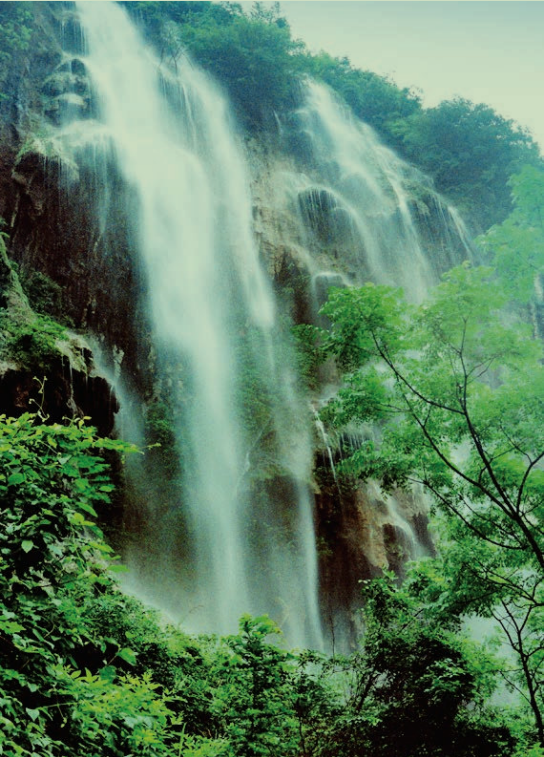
485,51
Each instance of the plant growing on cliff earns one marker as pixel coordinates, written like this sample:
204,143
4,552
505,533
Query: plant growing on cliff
52,561
30,339
253,56
85,669
44,294
255,699
373,98
15,30
467,148
416,686
470,151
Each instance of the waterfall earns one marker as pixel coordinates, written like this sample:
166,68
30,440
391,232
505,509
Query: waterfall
224,546
363,214
220,519
365,207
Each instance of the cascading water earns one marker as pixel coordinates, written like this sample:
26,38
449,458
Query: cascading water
214,333
363,204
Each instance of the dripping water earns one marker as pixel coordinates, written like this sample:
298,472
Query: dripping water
326,442
363,189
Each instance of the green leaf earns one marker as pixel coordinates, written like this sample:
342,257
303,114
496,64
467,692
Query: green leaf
108,673
128,655
10,627
118,569
27,545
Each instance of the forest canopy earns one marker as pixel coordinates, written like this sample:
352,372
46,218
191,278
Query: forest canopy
455,390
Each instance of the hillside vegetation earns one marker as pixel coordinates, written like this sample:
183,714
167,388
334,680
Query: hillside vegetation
86,669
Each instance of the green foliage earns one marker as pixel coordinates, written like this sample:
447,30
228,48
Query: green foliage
255,399
457,391
160,433
25,337
107,717
374,99
308,353
271,422
44,294
29,339
517,245
159,424
470,151
154,15
85,669
49,486
15,30
416,687
52,559
457,388
255,699
253,56
11,292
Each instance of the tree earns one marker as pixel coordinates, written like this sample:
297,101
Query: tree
516,247
64,687
253,56
373,98
470,151
69,684
15,30
255,693
416,687
456,387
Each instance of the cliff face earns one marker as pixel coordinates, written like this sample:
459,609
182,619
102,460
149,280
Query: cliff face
47,207
331,207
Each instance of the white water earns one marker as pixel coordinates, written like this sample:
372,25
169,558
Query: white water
371,197
176,148
325,442
220,546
